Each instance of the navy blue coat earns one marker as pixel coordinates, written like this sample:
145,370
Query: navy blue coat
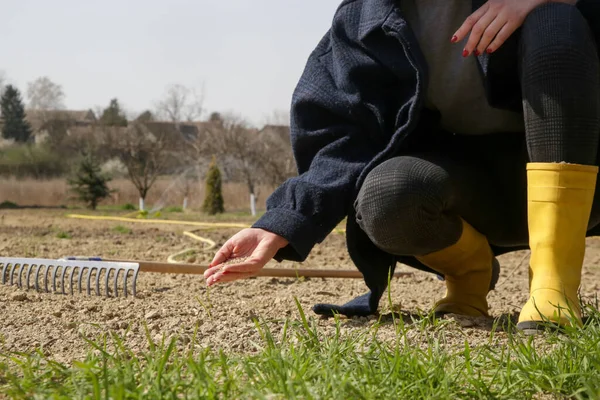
358,103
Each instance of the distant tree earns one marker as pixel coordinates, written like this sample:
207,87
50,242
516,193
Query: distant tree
57,127
277,117
238,145
215,117
89,184
113,115
2,83
145,154
181,103
213,199
15,125
277,159
45,95
146,116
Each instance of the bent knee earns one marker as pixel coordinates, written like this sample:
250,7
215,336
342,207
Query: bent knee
397,198
556,29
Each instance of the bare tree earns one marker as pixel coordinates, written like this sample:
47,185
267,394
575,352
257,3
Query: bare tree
240,153
181,103
277,117
98,111
245,154
43,94
275,150
144,153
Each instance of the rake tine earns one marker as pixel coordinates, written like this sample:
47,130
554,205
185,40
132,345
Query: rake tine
98,281
135,274
106,280
71,279
81,270
125,280
12,272
20,284
62,279
89,278
29,274
4,272
37,277
116,281
54,278
46,277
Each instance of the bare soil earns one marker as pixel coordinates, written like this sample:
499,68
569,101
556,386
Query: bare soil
223,317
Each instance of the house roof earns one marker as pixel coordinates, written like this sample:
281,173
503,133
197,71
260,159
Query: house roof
75,115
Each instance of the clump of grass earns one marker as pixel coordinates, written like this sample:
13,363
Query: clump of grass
63,235
174,209
303,362
128,207
122,229
8,205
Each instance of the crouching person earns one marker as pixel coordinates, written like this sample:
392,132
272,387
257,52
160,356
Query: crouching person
448,133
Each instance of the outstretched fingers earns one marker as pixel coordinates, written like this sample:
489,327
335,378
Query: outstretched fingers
469,23
224,276
223,254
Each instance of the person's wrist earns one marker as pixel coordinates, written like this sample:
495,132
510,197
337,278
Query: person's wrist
275,239
280,241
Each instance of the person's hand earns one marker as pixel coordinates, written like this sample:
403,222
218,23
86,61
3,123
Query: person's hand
256,246
493,23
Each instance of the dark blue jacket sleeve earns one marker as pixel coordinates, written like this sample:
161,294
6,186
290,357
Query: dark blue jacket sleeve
337,127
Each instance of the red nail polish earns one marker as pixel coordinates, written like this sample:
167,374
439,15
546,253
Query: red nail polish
477,53
465,53
489,50
454,39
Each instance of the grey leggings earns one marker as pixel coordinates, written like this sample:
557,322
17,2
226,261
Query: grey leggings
412,204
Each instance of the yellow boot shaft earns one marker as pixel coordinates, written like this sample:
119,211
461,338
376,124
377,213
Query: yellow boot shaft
560,199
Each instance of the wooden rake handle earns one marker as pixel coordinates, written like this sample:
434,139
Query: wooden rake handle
197,269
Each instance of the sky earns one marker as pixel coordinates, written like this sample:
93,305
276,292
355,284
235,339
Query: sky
248,55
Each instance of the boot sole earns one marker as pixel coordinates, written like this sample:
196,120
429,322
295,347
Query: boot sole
533,328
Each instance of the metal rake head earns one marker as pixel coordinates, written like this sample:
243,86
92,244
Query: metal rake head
21,271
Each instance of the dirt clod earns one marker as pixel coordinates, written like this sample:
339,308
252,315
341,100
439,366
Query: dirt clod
154,314
18,297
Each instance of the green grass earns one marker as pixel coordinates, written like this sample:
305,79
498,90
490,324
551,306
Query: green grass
173,209
117,207
63,235
128,207
122,229
300,361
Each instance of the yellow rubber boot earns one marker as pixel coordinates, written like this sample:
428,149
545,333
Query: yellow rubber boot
470,271
560,200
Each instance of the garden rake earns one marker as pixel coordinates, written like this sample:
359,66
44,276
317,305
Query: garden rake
26,273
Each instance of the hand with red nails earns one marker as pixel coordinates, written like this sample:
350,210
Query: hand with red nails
255,248
494,22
